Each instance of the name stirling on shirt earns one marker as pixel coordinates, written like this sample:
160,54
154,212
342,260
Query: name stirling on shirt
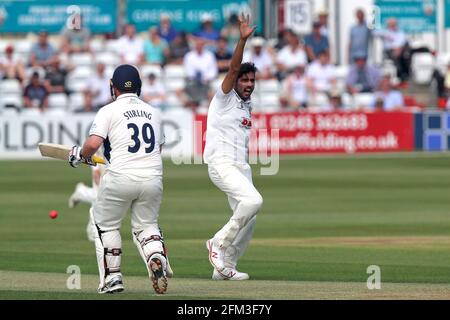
137,113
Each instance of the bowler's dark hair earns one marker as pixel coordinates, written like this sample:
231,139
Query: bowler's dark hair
247,67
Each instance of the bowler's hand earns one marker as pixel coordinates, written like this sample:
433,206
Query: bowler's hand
244,26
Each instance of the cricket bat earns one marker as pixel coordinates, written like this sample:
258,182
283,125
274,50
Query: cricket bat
60,151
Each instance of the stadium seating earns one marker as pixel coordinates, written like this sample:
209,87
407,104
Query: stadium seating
422,66
76,101
32,112
442,62
58,101
174,71
81,59
8,112
319,99
3,45
173,84
265,97
362,100
173,101
347,100
23,47
11,101
174,77
270,100
151,68
107,58
76,80
97,45
10,86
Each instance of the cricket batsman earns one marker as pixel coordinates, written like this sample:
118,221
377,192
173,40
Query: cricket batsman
226,153
130,131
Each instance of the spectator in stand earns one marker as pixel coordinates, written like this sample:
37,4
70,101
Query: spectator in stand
178,48
290,56
75,36
207,31
35,94
395,46
156,49
201,68
335,101
322,17
11,66
97,92
362,78
153,92
296,91
360,36
387,98
321,74
55,77
2,16
231,32
316,43
260,57
42,52
129,47
165,29
223,56
282,39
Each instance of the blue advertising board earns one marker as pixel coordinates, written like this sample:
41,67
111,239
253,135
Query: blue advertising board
414,16
185,15
434,128
99,16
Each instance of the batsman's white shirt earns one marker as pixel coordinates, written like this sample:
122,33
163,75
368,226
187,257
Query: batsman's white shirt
133,134
228,129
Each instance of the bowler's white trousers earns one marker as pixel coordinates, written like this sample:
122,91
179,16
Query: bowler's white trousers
245,201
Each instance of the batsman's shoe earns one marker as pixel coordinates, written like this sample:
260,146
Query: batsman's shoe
229,274
114,285
158,273
74,198
216,255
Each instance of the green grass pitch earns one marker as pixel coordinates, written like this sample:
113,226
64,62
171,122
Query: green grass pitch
324,221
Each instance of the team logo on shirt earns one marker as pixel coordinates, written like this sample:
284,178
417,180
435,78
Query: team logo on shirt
246,123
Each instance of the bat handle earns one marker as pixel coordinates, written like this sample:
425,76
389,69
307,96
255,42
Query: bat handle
97,159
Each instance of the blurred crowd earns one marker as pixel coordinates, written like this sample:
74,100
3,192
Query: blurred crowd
182,69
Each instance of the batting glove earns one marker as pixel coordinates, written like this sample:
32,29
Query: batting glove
75,157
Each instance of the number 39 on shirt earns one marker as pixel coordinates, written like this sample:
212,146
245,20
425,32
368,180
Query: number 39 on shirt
145,134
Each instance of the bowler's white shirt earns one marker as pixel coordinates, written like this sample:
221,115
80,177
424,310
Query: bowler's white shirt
228,129
127,124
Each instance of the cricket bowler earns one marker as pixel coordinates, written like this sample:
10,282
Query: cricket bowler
226,153
130,131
